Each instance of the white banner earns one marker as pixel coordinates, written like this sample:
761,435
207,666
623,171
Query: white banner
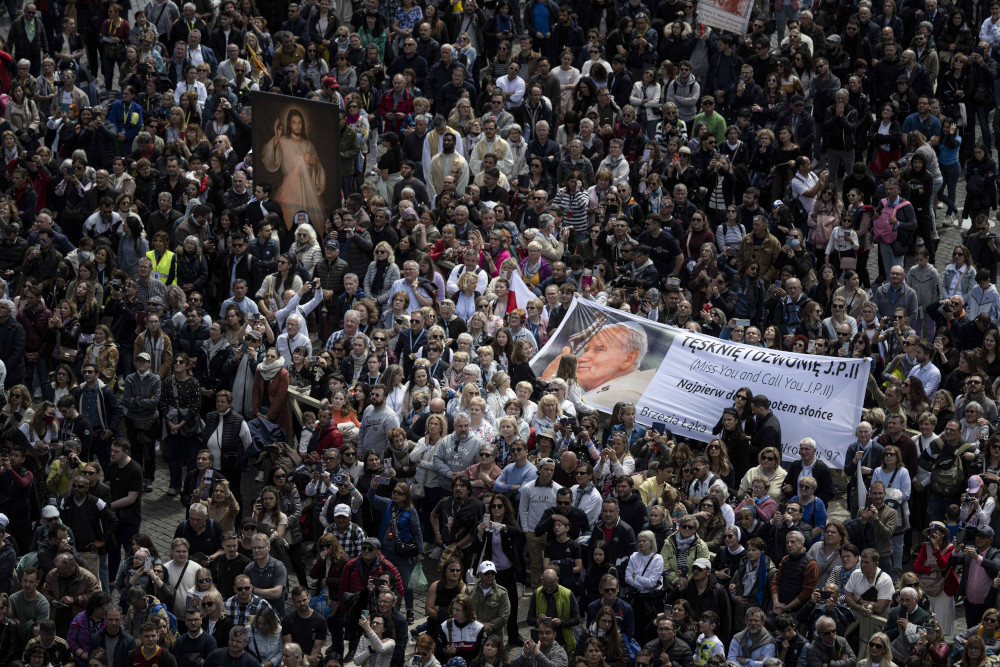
684,380
727,15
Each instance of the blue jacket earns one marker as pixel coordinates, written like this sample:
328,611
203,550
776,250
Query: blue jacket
126,119
407,523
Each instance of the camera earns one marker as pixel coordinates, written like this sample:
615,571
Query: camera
116,284
825,595
947,308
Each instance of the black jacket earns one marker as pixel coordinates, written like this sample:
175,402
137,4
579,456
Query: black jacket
767,432
715,598
126,644
990,563
680,653
12,349
620,547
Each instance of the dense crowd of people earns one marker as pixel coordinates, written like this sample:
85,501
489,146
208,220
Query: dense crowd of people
345,402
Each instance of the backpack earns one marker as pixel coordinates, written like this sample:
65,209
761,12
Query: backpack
799,214
156,609
631,645
948,476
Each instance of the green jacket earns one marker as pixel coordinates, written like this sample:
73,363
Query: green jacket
671,572
349,149
493,608
562,596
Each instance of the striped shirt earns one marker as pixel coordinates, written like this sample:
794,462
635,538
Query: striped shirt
574,206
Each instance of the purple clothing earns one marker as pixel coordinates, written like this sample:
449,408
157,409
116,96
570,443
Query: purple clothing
79,634
544,271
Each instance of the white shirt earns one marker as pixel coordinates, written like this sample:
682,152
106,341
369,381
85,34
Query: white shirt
802,183
515,87
458,272
859,584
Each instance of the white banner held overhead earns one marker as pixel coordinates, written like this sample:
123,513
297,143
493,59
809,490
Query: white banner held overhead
728,15
684,380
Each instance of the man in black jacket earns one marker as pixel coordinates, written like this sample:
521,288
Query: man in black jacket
113,638
99,405
11,344
819,471
668,648
767,432
622,542
29,46
91,521
246,266
261,204
578,524
630,505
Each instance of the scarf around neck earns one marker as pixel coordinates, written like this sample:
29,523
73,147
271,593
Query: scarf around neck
269,370
213,349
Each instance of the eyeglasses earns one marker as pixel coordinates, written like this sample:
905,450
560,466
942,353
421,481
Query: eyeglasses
687,526
79,486
242,588
282,476
768,458
874,645
581,472
485,454
563,503
207,580
368,547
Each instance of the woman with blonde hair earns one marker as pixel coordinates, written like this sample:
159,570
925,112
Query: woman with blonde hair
18,408
461,402
480,419
41,429
223,506
879,651
547,415
216,621
381,274
478,330
83,294
306,248
931,646
175,126
498,392
203,585
508,267
293,656
461,117
769,467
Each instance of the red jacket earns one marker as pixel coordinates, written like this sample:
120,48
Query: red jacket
355,576
941,560
277,393
36,329
388,105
